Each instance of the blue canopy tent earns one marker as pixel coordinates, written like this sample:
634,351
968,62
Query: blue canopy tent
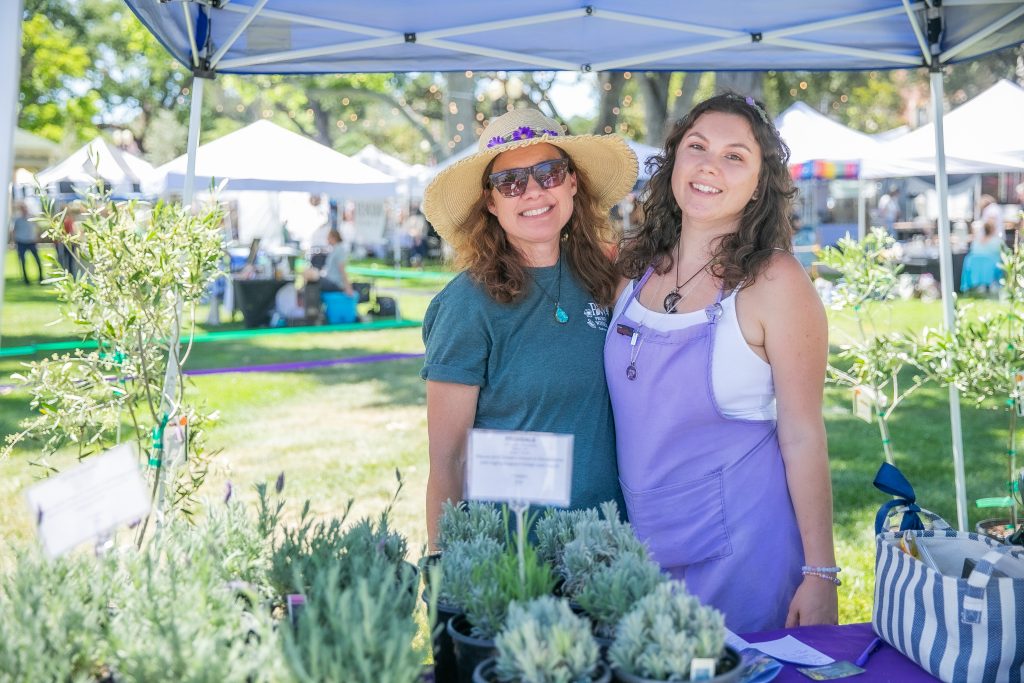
331,36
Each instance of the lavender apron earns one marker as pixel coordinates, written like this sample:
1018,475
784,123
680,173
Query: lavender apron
707,493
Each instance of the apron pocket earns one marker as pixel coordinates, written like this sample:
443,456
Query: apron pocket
682,524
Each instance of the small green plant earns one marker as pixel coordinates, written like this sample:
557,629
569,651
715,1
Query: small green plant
54,618
469,520
873,361
660,637
556,528
544,642
484,593
362,633
613,589
458,562
596,544
142,270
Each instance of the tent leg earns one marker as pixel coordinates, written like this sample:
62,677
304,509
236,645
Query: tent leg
862,218
10,59
946,277
194,124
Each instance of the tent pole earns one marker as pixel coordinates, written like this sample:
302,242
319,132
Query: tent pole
194,124
862,218
10,60
946,278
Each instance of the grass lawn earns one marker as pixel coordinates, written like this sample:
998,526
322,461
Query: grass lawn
341,431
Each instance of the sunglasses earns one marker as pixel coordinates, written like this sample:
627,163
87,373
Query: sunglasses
512,182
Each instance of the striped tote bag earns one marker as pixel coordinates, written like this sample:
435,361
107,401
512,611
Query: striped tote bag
953,602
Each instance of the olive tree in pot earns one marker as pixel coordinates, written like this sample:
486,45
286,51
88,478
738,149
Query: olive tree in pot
543,641
143,269
982,358
661,636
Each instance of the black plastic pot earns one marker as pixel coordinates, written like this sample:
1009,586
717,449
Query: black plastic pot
484,672
445,670
469,650
998,529
728,665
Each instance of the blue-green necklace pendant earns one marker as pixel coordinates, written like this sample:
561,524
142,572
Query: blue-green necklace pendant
560,314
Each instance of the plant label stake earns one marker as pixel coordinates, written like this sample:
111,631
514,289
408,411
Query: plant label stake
89,501
519,468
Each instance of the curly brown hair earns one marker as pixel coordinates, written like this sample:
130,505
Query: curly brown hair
494,262
764,226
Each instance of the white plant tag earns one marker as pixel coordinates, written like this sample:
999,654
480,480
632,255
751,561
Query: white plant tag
524,467
1019,377
89,500
864,405
702,669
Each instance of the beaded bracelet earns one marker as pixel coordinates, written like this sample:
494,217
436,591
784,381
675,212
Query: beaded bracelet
823,570
825,576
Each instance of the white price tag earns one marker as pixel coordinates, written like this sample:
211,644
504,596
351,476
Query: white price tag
89,500
864,403
527,467
1019,377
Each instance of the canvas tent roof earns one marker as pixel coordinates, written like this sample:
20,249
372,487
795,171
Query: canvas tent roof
265,156
984,134
812,136
124,172
326,36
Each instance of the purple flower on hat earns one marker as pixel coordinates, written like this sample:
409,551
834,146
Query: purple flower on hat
495,141
750,100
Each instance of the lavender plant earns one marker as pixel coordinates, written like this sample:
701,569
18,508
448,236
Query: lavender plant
664,632
468,520
544,642
597,543
612,590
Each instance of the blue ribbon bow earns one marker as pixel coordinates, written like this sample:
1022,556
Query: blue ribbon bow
890,480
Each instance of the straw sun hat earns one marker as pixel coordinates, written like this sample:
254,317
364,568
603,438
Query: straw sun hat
608,162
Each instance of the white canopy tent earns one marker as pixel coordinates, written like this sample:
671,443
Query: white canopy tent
265,156
410,176
983,135
812,136
325,36
125,173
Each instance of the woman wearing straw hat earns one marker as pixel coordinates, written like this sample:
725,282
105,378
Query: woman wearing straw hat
515,340
716,368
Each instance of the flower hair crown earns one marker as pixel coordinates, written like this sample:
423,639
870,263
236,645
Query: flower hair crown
521,133
753,103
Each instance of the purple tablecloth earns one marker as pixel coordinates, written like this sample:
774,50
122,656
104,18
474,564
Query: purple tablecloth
846,642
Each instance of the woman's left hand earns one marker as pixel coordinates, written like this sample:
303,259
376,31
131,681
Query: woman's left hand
816,602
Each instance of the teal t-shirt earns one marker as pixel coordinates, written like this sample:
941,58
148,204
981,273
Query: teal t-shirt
534,373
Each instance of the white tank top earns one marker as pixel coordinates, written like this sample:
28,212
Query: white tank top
740,379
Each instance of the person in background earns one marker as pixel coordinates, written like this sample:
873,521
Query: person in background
982,265
889,209
65,245
989,214
335,276
514,341
715,359
26,237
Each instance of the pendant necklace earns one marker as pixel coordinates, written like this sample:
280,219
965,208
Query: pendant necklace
560,315
674,298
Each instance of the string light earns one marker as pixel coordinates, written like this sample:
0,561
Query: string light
679,93
627,75
460,127
803,85
220,108
453,108
240,108
607,129
469,74
344,101
615,110
479,116
792,92
353,117
457,138
607,87
185,90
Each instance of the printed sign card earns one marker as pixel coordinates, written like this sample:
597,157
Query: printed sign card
864,403
89,500
526,467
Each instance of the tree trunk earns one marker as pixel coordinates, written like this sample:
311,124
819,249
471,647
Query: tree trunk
746,83
459,112
611,83
656,105
684,103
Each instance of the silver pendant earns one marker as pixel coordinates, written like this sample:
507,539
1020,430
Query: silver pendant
671,299
631,372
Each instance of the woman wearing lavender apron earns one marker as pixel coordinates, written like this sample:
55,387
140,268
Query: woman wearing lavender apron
715,360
